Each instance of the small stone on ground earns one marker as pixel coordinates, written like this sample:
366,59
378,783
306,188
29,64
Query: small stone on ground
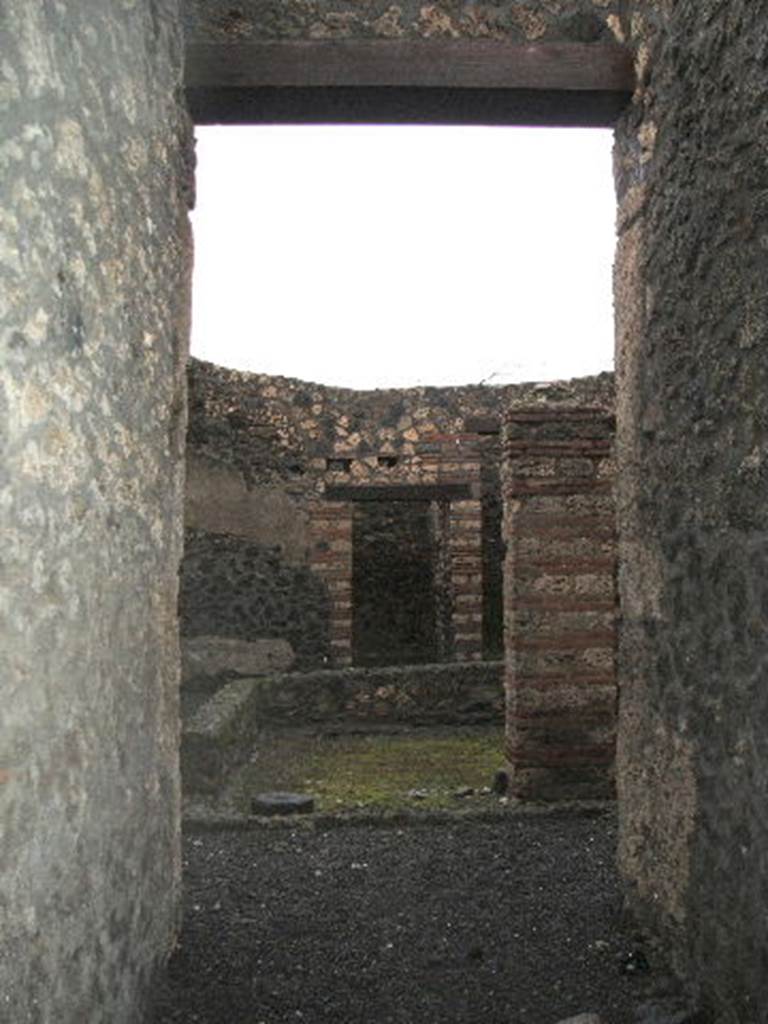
274,804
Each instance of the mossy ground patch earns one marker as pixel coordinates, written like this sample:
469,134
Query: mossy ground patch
375,771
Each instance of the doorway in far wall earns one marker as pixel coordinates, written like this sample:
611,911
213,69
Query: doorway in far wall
394,604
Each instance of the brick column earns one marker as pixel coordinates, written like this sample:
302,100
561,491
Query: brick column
331,559
560,602
465,559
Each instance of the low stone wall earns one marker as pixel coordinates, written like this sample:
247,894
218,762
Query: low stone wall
416,694
215,738
221,730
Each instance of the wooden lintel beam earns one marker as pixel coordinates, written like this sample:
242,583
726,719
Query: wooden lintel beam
421,63
398,492
408,81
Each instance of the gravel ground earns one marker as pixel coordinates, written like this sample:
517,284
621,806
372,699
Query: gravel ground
509,922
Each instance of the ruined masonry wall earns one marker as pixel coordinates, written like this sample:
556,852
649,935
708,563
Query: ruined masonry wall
264,455
271,515
94,261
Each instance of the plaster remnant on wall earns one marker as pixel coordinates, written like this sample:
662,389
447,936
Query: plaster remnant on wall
642,597
263,514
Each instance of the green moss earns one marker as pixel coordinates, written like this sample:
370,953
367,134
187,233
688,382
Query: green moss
375,772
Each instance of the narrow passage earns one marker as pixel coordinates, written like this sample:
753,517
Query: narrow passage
455,922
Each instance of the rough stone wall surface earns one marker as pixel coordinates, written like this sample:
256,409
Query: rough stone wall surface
692,380
279,430
416,694
94,260
581,21
235,587
561,607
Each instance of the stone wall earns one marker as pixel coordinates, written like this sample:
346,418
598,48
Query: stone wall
287,481
581,21
692,380
231,586
302,470
94,261
561,606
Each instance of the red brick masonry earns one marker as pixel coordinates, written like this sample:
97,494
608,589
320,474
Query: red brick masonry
560,602
331,559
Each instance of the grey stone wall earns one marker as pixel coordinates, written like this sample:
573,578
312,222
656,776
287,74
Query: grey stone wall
93,327
581,21
692,380
276,430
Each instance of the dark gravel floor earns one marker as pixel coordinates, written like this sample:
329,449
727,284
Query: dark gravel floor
509,922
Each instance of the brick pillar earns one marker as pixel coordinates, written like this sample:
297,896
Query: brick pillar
465,558
560,602
331,559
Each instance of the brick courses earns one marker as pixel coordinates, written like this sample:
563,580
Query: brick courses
560,602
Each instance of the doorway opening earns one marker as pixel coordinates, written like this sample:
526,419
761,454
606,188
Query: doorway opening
379,299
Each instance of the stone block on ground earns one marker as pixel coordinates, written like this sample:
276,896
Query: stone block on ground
212,740
206,657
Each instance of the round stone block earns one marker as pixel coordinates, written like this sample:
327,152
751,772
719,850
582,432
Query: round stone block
273,804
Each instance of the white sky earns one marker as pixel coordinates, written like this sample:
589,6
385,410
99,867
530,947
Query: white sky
387,257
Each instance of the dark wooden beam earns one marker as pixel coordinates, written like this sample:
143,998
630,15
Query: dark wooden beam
408,81
398,492
422,63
